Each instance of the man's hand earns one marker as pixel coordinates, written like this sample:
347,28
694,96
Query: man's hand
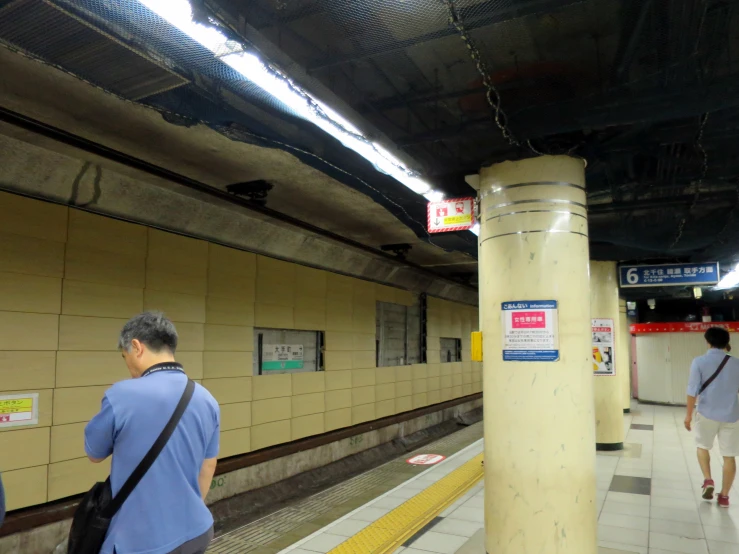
688,422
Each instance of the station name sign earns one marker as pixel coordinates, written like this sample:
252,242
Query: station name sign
669,275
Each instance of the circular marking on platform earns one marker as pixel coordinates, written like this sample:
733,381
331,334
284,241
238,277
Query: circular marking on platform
426,459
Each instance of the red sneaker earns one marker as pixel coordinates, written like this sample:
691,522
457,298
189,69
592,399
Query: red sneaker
723,501
708,487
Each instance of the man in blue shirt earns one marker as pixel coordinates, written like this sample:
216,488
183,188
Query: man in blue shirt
166,512
718,411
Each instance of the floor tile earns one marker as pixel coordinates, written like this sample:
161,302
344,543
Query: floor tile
722,534
370,514
717,547
671,514
348,527
622,520
619,547
623,535
642,426
672,543
628,498
324,542
459,527
676,503
627,509
469,514
677,528
441,543
633,485
389,502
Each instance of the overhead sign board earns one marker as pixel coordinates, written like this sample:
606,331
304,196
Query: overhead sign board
456,214
603,341
669,275
282,356
530,331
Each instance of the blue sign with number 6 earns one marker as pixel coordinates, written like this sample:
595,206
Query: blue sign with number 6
669,275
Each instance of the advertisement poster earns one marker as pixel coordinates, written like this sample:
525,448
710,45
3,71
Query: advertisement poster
530,331
603,347
276,357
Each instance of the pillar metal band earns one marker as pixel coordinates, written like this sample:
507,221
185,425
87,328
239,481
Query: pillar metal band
534,231
536,212
536,201
497,189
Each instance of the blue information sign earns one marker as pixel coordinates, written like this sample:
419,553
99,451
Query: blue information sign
670,275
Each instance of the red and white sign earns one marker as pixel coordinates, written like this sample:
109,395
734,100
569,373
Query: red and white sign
456,214
529,320
695,327
426,459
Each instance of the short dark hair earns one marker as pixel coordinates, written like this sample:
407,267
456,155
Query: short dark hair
152,329
717,337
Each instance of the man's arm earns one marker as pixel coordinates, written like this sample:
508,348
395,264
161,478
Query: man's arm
99,434
694,384
207,470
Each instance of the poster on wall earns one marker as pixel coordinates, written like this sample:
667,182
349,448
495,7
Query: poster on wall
277,357
18,409
603,347
530,331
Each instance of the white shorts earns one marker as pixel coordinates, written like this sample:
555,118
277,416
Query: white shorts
728,435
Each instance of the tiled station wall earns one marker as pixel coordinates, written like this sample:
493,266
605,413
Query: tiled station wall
69,280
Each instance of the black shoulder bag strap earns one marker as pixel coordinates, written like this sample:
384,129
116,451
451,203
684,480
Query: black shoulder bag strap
715,374
152,454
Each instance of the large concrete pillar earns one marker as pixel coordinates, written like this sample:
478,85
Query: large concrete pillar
623,356
609,415
539,422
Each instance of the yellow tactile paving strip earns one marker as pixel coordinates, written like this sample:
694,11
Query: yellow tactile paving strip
390,531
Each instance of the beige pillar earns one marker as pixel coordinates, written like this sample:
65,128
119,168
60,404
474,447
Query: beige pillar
539,422
623,356
609,415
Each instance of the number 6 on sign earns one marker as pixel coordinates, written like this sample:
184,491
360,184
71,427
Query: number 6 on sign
632,276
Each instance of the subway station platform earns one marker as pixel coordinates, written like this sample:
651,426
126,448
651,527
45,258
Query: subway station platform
648,502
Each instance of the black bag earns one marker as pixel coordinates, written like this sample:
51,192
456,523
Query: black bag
97,508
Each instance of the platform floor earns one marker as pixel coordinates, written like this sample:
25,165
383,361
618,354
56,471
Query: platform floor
648,500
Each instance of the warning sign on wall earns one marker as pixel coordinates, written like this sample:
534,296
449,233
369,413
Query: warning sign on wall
18,409
530,331
603,342
457,214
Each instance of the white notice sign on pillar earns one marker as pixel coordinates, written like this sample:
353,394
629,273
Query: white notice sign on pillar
603,351
530,331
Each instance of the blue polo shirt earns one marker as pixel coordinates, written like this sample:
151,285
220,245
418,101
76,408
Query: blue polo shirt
165,510
719,401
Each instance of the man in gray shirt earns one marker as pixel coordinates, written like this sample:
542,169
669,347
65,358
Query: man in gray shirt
714,377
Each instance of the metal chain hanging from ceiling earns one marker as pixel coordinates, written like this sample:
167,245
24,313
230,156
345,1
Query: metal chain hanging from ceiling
704,170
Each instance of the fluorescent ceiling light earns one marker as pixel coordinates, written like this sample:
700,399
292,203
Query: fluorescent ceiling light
179,14
730,280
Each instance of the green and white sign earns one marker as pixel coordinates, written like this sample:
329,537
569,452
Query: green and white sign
278,357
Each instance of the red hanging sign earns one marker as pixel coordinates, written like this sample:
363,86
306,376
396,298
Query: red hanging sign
678,327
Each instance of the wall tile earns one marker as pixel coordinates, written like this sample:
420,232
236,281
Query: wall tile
229,285
227,364
364,360
230,391
228,338
339,313
234,442
337,419
235,416
32,218
385,392
193,364
272,386
270,434
310,282
93,299
25,487
169,281
272,316
361,414
275,292
363,395
363,377
404,373
307,404
434,383
308,382
420,400
419,386
336,380
433,396
385,408
89,231
307,426
222,259
77,404
176,306
404,388
67,442
22,448
273,409
31,256
14,333
177,254
222,310
27,370
30,293
385,375
75,477
104,267
337,361
84,369
337,399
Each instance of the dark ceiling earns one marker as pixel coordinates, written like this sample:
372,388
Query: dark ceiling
647,91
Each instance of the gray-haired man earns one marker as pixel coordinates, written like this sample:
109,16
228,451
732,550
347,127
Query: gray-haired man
166,512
